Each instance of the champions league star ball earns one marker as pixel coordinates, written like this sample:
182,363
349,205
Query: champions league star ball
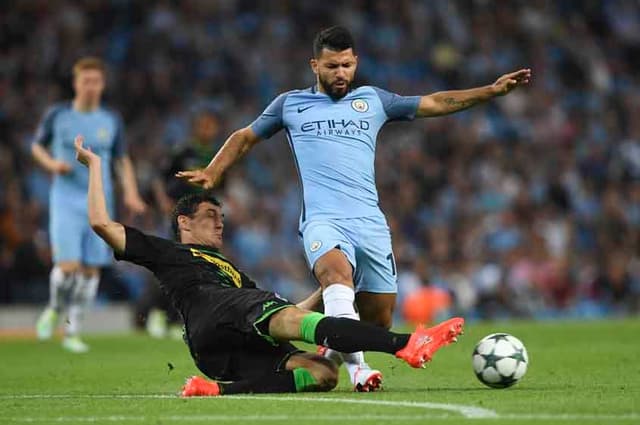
500,360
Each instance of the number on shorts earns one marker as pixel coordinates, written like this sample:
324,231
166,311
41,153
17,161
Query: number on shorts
393,263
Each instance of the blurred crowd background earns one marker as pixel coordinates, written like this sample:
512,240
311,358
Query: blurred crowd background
526,206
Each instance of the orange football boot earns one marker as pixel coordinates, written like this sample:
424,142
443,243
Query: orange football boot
424,342
197,386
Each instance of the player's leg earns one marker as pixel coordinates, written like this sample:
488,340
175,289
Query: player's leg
342,334
376,276
376,308
347,335
246,355
246,359
61,281
66,243
95,254
302,372
333,270
264,361
82,297
332,259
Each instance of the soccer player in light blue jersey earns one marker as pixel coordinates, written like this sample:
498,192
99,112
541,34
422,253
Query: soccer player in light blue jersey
78,253
332,130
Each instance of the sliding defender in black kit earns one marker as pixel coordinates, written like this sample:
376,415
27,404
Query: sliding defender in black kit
236,332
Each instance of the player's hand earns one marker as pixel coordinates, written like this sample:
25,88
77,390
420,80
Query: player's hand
84,155
60,167
198,177
135,204
508,82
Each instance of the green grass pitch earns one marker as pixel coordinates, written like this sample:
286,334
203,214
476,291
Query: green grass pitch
586,372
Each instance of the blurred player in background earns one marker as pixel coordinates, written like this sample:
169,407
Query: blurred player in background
78,253
161,318
332,129
196,153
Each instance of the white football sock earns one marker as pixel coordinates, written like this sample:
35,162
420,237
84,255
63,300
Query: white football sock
60,285
338,302
84,293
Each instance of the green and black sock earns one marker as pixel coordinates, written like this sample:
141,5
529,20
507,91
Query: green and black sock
286,381
349,336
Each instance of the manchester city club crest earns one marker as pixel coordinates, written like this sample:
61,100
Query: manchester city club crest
102,135
360,105
315,245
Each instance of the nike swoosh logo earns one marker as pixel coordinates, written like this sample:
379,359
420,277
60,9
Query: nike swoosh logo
301,109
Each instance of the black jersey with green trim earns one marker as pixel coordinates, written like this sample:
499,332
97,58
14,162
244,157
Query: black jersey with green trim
185,271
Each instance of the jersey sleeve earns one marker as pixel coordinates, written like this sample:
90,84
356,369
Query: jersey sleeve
119,148
144,250
44,132
398,108
270,121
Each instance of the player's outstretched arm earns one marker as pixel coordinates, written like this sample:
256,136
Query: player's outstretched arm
112,232
447,102
234,148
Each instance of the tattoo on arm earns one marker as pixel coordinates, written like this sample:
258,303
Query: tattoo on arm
460,104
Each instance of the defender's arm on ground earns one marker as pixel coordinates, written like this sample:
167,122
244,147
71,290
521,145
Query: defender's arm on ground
234,148
112,232
447,102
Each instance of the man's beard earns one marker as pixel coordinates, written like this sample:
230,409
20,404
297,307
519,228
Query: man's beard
335,94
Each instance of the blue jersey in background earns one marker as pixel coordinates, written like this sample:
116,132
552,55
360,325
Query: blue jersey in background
71,237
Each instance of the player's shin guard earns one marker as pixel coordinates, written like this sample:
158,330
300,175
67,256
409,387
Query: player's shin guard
338,302
82,297
60,286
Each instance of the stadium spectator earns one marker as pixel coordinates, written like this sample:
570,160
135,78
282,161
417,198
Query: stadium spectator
556,156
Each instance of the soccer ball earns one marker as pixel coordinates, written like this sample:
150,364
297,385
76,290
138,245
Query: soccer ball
500,360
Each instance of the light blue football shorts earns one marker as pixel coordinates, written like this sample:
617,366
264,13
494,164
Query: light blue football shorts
72,239
365,241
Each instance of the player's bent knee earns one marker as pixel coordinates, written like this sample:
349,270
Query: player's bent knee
68,267
328,276
284,325
333,267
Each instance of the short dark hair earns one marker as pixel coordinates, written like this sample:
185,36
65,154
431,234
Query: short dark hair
188,205
334,38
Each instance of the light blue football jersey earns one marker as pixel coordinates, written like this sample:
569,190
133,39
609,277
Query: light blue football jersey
102,130
333,143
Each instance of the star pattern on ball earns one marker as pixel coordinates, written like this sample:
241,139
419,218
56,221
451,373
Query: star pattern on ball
499,337
518,355
491,360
